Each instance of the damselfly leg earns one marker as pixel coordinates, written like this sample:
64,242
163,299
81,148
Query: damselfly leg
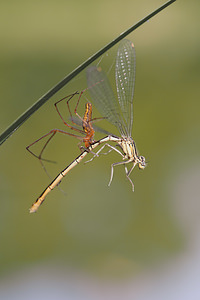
105,153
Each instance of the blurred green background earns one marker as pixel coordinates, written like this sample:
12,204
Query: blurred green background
107,231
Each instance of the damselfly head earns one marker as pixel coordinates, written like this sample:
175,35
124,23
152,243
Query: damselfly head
141,163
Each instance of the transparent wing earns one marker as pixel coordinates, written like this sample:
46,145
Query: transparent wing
103,97
125,81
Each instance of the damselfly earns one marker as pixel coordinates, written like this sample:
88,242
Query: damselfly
117,111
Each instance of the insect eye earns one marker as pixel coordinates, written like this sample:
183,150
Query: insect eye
142,163
142,158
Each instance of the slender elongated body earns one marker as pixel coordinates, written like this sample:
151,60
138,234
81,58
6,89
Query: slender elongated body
130,155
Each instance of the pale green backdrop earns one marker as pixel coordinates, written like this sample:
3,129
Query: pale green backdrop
107,231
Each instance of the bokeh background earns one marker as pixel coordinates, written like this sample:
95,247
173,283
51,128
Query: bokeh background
91,241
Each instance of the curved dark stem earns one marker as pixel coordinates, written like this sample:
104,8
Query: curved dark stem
16,124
